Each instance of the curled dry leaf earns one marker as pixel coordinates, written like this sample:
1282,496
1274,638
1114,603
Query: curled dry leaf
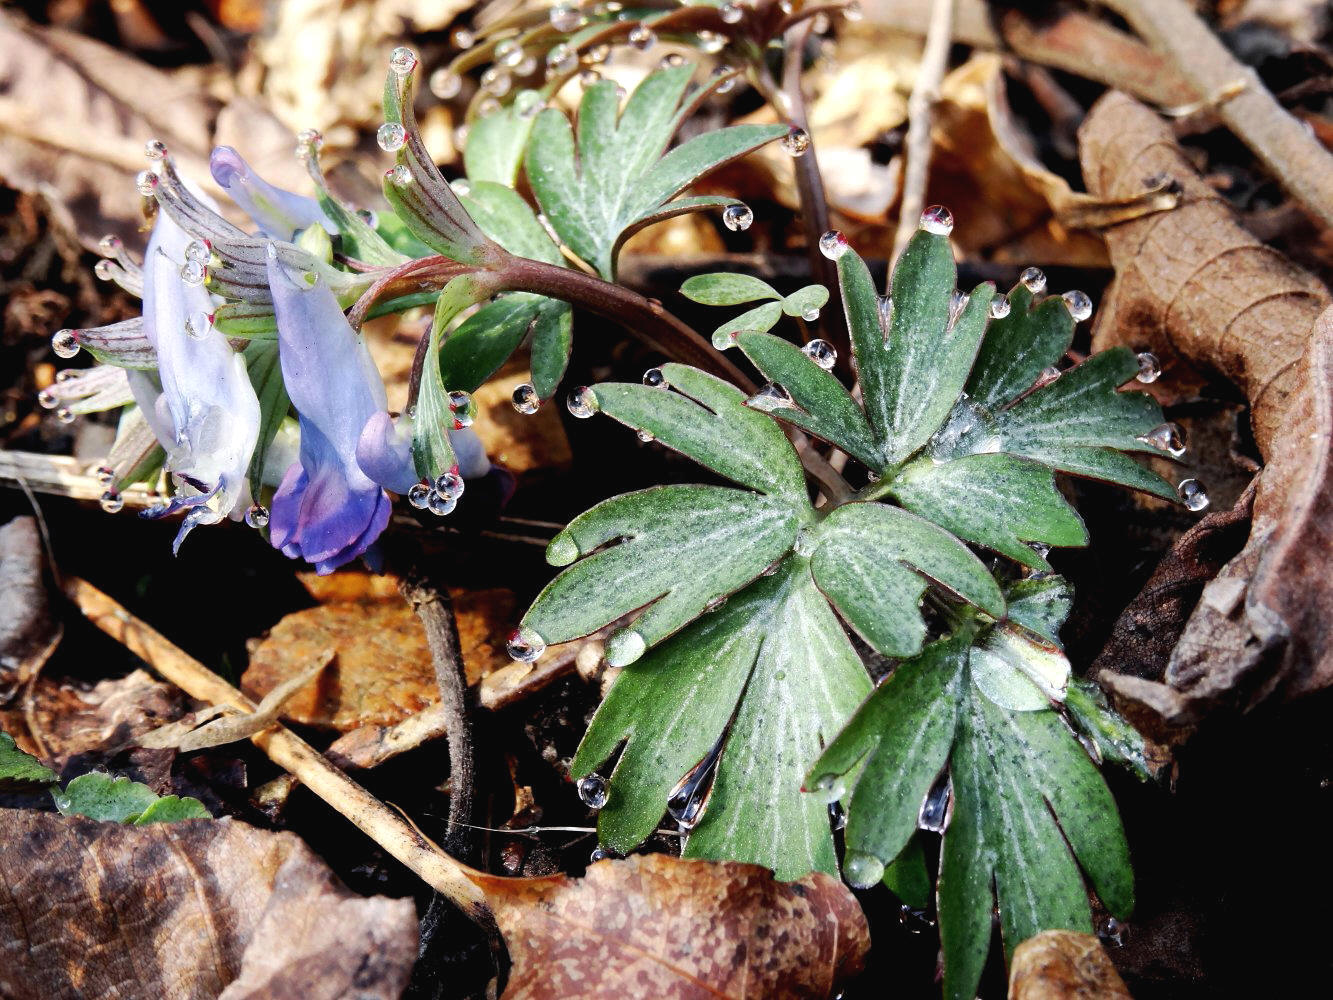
1198,290
657,926
28,634
216,908
1064,965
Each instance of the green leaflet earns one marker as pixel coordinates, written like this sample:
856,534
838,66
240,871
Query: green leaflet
1114,738
494,148
432,417
615,175
18,769
265,371
778,650
119,800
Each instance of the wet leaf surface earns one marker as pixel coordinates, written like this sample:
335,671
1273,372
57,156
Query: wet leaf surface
217,908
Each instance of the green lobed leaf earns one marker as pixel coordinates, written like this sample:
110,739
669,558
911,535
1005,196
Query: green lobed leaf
873,562
707,419
801,301
509,220
172,809
18,769
1039,604
616,175
778,650
1115,739
994,500
902,733
1019,347
432,418
824,407
725,289
359,238
1018,670
758,320
111,799
494,148
907,878
679,548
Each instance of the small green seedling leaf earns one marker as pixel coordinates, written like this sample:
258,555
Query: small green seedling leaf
804,301
725,289
18,769
119,800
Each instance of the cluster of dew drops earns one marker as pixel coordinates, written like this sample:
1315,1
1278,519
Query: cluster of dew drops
440,495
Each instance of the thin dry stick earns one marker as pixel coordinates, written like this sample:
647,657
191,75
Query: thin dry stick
1239,98
920,122
287,750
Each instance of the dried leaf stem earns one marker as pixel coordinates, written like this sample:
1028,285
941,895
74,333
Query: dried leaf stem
1238,97
920,122
451,878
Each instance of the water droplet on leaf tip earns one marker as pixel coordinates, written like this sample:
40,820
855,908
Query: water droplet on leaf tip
419,496
399,175
112,502
463,38
1150,369
310,138
441,504
525,398
65,415
642,37
1192,495
198,250
833,244
105,270
109,245
1033,279
566,17
999,307
582,403
463,407
65,343
561,59
737,217
624,647
146,181
47,399
646,436
525,645
104,474
194,273
655,379
155,149
450,484
862,870
1078,304
796,142
445,84
936,220
731,13
1168,437
821,352
391,136
402,60
257,516
811,314
594,791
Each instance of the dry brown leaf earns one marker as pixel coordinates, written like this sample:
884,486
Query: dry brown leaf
1064,965
518,442
658,926
28,633
172,911
383,672
1199,290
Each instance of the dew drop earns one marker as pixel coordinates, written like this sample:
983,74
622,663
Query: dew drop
146,181
999,307
726,77
1150,369
936,220
1047,375
368,217
796,142
112,502
833,244
582,403
732,13
821,352
257,516
508,53
561,59
1167,437
646,436
65,415
737,217
594,791
450,484
528,103
1111,931
642,37
599,854
624,647
672,60
830,788
1033,279
65,344
463,407
811,314
852,12
193,273
711,43
391,136
47,399
1078,304
655,379
67,375
934,812
525,398
198,250
399,175
527,67
566,17
1192,494
419,496
723,338
837,815
462,38
155,149
862,870
487,106
525,645
104,474
105,270
198,325
402,60
309,140
496,80
445,83
770,397
109,245
439,504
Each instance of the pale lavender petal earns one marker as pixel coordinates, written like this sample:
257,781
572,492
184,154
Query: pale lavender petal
473,462
384,453
279,214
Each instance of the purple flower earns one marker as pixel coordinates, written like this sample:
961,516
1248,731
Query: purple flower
331,505
202,407
279,214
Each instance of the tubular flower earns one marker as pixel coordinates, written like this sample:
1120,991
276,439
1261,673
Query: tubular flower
279,214
202,407
329,509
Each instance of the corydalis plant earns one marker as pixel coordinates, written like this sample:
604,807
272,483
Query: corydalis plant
737,667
